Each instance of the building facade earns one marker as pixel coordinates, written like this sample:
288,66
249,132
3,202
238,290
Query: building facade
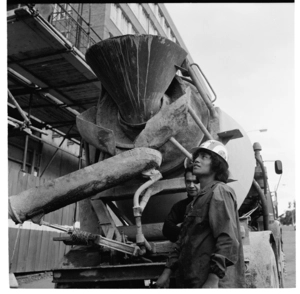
101,21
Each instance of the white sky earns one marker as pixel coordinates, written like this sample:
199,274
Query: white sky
247,53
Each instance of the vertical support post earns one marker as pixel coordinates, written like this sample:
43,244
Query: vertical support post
27,137
25,154
55,152
97,156
87,153
80,154
79,23
76,212
101,156
89,27
33,162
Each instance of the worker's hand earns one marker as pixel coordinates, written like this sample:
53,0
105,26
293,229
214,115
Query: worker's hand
164,279
212,281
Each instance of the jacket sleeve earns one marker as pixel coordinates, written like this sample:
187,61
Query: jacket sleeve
224,224
172,261
170,229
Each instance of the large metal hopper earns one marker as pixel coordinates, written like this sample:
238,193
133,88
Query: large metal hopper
136,70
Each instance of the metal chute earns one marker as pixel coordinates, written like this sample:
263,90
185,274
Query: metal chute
136,70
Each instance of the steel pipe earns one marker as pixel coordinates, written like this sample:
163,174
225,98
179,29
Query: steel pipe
19,107
181,148
198,85
55,152
199,123
264,205
81,184
30,127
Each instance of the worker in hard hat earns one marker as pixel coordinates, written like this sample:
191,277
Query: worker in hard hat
209,251
174,219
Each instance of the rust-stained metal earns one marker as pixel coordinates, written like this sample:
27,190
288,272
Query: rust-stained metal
262,267
81,184
136,70
172,120
100,137
165,124
89,238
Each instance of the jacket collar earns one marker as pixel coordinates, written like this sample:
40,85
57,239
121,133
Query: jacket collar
208,187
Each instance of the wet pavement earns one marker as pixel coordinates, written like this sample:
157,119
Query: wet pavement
289,248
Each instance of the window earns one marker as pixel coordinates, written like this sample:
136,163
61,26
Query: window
156,11
59,12
135,9
151,29
121,21
168,32
130,29
173,38
113,13
152,6
141,15
124,25
161,19
119,17
165,27
144,20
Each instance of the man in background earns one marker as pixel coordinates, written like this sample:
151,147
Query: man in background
171,228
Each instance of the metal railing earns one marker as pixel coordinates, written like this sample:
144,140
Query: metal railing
74,27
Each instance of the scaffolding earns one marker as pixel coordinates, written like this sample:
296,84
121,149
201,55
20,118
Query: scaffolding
73,26
41,93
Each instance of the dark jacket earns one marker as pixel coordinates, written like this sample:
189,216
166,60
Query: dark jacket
210,240
176,216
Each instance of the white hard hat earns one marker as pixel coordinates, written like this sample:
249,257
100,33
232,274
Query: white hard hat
215,147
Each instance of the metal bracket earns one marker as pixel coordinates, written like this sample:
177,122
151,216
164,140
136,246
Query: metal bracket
230,135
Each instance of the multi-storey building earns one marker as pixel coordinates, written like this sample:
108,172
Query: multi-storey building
87,23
